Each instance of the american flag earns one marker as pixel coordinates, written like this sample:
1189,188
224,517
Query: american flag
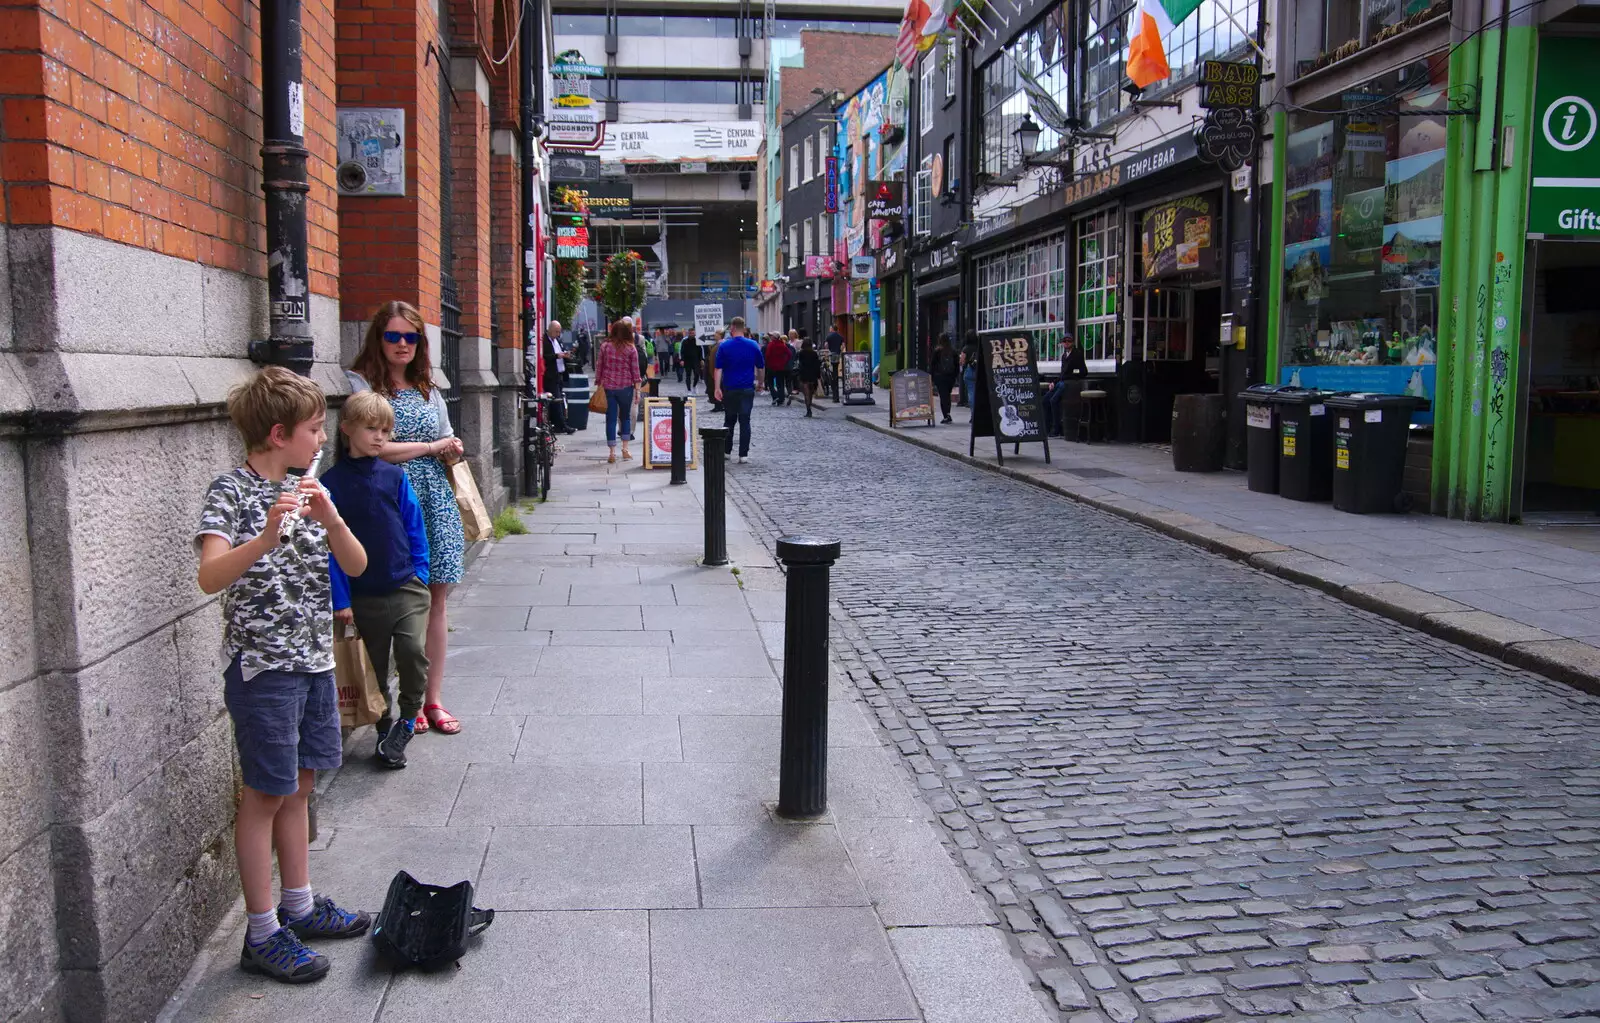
911,28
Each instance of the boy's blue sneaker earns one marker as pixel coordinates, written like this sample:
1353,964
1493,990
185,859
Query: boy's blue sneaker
392,744
283,957
327,920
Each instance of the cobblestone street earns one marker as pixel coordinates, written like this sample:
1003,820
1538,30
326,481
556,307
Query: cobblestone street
1192,790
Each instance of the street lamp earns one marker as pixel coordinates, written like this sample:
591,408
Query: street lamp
1027,134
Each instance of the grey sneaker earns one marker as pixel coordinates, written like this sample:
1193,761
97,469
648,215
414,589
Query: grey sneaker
743,459
326,920
392,744
283,957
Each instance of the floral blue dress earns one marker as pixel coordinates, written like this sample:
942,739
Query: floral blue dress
416,421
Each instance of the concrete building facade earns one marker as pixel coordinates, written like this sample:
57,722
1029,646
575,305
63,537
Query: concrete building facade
132,278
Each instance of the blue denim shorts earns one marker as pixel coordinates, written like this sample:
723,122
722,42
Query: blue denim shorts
283,721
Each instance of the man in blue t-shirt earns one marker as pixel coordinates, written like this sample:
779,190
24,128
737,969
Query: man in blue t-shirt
737,376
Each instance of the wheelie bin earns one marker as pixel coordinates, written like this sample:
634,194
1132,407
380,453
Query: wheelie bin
577,394
1369,451
1261,441
1305,444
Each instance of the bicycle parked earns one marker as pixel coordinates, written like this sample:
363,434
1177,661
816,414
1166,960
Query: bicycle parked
541,445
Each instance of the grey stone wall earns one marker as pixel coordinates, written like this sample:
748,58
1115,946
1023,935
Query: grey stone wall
118,773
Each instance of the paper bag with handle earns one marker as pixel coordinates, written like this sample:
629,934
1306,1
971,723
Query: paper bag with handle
475,521
361,697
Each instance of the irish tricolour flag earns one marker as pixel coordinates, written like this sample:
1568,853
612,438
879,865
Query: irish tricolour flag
1147,57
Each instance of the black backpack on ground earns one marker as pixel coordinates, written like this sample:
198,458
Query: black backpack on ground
426,925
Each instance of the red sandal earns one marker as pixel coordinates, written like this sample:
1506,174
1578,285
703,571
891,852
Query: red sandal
442,720
420,725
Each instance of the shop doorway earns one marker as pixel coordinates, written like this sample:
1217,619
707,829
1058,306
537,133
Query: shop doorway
1173,335
1560,465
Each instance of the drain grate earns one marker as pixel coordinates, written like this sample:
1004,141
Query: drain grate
1090,472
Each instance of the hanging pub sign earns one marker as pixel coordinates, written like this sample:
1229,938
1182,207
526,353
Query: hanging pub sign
1009,401
819,266
572,241
567,167
910,397
1226,83
606,197
830,194
1227,137
885,200
855,370
570,64
1179,237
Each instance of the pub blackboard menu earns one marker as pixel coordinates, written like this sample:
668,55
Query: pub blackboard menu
910,397
855,371
1011,383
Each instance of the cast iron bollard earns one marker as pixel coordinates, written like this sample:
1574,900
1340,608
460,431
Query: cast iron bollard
678,438
712,439
803,760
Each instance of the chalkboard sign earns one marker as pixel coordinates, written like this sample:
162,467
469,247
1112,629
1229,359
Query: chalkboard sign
910,397
1010,381
855,369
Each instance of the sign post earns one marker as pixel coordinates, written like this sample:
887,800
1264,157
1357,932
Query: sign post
1565,197
707,321
1009,382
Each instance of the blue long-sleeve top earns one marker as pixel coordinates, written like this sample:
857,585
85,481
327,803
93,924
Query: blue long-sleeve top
376,501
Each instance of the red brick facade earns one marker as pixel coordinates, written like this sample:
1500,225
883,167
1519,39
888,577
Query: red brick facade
141,123
834,60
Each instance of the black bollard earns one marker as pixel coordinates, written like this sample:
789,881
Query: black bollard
803,759
679,462
712,441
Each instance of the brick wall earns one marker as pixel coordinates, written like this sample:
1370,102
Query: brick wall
142,124
390,244
834,60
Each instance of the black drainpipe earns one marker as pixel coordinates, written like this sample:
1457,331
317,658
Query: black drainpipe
283,165
531,87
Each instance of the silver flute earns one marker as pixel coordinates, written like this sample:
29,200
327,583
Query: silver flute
287,523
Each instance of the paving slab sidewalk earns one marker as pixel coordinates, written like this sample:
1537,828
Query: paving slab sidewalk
1528,594
611,797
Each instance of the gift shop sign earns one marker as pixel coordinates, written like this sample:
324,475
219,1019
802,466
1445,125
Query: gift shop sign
1565,197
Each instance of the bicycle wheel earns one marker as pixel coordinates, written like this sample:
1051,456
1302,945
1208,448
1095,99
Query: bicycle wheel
537,485
547,459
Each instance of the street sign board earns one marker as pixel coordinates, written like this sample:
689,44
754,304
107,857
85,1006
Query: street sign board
1226,83
1565,197
863,268
707,321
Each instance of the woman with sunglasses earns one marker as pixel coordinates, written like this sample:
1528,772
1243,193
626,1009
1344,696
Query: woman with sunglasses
394,362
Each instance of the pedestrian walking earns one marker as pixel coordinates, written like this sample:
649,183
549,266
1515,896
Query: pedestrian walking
945,370
776,358
808,365
793,383
969,368
278,687
580,350
389,602
737,371
834,343
617,373
692,357
710,371
394,362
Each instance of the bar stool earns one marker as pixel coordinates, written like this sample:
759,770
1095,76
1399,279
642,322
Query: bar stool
1091,414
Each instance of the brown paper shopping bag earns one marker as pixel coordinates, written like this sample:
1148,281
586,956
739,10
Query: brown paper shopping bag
361,698
475,521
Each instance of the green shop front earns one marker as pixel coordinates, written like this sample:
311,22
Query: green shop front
1424,253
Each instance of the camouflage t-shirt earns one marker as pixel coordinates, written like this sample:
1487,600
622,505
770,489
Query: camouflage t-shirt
278,616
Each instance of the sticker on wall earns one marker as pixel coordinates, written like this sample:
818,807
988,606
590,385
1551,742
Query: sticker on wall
372,151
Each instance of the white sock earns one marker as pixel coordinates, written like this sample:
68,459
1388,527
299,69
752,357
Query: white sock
297,902
262,926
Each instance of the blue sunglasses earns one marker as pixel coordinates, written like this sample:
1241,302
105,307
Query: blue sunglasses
394,337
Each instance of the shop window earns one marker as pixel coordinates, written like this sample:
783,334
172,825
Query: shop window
1363,232
1022,293
1040,52
1218,28
1099,242
1158,324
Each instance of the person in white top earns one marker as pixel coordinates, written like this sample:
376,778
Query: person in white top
555,377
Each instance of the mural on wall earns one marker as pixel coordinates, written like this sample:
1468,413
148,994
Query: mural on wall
864,156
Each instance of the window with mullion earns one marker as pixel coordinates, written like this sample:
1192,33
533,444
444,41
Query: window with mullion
1098,239
1040,52
1209,32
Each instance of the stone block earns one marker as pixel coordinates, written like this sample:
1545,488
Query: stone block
15,395
590,868
909,876
327,333
1567,660
1481,631
965,975
117,721
24,769
27,927
775,865
6,340
111,870
1403,603
16,575
119,554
